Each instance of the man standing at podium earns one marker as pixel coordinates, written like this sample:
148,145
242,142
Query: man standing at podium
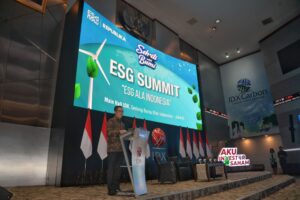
115,127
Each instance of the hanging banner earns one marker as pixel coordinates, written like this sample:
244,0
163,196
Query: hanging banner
248,99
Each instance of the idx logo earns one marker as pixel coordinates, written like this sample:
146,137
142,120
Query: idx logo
247,96
243,85
161,155
92,17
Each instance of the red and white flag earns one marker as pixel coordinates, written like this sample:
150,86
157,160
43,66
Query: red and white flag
102,144
148,147
134,123
201,151
195,146
86,141
181,145
145,125
208,150
188,145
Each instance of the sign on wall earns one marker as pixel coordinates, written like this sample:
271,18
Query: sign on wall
231,158
248,99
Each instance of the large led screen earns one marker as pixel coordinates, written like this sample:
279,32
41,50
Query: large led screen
114,68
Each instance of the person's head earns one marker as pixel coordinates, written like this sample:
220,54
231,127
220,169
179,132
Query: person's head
272,150
118,112
280,148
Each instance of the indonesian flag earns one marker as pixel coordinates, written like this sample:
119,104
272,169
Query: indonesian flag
208,151
134,123
102,145
148,147
145,125
188,145
195,146
86,141
181,145
201,151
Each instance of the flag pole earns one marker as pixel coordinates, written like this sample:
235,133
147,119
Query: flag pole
90,97
101,173
84,172
90,102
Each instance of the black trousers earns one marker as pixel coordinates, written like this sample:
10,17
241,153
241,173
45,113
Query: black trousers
115,159
283,166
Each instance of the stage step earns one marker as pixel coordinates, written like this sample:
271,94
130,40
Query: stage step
291,192
185,190
208,188
254,191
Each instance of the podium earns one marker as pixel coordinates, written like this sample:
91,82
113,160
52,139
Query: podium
138,138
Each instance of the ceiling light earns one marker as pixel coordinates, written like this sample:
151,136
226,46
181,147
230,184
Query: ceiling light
218,21
214,28
238,51
226,55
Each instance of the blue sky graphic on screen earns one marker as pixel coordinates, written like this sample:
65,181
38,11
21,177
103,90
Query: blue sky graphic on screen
114,68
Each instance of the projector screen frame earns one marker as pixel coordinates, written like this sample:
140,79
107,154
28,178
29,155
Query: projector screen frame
201,98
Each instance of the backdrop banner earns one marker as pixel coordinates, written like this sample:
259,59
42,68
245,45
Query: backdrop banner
248,98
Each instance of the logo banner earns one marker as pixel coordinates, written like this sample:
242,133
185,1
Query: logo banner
248,98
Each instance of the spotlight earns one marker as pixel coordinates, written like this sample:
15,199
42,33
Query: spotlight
218,21
213,28
226,55
238,51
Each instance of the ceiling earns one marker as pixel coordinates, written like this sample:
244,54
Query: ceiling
241,22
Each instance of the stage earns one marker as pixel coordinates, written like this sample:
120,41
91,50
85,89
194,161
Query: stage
181,190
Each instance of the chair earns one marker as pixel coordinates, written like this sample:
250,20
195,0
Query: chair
166,170
184,169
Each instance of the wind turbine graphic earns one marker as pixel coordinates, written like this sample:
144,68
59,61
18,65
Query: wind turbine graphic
95,58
